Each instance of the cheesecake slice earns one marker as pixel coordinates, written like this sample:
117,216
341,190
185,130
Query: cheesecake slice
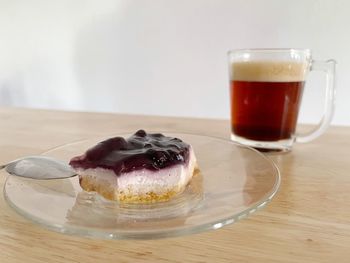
145,167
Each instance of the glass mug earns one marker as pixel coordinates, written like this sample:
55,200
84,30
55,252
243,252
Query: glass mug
266,87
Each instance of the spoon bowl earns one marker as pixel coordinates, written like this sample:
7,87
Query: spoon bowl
39,167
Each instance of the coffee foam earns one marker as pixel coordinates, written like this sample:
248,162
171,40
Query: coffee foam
269,71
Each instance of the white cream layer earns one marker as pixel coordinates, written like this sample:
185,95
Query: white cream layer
143,181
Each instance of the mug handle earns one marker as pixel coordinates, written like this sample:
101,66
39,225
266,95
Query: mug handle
329,68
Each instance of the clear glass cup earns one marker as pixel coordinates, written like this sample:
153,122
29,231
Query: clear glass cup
266,88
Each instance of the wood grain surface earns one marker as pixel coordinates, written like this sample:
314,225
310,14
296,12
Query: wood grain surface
307,221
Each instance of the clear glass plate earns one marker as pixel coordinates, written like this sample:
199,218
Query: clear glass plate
234,181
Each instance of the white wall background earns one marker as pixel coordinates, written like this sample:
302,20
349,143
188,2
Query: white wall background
164,57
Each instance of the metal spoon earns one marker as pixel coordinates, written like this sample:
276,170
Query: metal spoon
39,167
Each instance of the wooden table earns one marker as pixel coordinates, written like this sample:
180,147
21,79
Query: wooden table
308,220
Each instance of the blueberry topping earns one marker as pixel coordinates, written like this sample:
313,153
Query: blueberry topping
140,151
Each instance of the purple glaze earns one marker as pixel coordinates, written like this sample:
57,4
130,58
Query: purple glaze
152,151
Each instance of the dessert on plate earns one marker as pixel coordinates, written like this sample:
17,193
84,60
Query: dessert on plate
145,167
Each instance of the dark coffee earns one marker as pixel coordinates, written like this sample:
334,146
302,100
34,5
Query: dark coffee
265,110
